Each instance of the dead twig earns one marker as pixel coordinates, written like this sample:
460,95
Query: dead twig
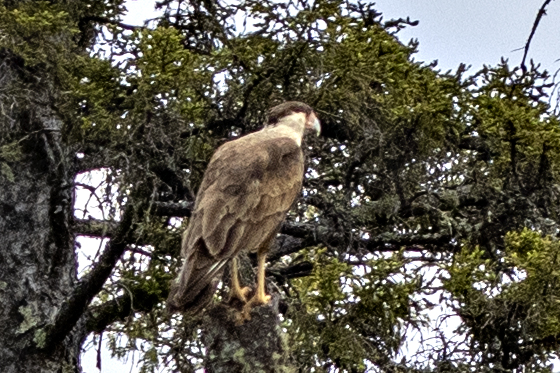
540,14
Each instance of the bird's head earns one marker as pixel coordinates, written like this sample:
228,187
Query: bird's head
289,108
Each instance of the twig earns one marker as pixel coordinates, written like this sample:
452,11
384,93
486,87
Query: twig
104,20
540,14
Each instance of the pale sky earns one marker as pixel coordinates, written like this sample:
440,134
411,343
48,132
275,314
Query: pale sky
478,32
474,32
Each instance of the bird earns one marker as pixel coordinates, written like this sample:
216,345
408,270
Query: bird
247,189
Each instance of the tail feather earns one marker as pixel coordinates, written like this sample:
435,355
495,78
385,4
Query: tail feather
196,284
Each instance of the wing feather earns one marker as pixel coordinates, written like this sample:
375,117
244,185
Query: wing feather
247,189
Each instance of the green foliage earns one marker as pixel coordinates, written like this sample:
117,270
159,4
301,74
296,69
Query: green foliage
33,30
416,160
510,305
350,317
536,257
508,113
425,184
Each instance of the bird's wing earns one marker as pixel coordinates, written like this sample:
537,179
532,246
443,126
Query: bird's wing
245,193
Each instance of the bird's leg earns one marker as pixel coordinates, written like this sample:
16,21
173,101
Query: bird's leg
237,292
260,296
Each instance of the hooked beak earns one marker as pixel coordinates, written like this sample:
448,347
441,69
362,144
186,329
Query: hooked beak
313,124
317,126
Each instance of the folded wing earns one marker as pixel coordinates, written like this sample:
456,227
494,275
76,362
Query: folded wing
247,189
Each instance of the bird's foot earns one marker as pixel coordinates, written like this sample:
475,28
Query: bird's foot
257,300
239,295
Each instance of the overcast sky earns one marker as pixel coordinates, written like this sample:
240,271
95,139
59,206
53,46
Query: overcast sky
478,32
474,32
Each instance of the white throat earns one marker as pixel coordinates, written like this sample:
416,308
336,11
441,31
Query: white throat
292,126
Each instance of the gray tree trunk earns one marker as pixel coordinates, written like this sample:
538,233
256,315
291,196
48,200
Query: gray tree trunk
37,257
256,346
37,262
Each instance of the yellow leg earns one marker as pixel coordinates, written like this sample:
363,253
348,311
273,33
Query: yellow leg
237,292
260,297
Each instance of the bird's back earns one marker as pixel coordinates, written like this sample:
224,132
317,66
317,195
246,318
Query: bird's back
246,191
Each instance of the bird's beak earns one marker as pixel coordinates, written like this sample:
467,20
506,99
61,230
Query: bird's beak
317,126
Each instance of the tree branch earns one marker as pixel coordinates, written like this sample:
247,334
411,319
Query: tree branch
295,271
105,228
75,305
135,299
105,21
178,209
540,14
413,242
94,228
284,245
294,236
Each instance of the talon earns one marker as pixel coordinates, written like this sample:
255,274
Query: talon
266,299
260,296
241,317
246,291
244,315
257,300
240,294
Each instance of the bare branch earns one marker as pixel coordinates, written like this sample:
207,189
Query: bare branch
540,14
106,21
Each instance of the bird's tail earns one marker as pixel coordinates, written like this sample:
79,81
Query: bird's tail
196,284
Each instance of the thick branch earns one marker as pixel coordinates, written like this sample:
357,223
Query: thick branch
285,245
254,346
76,304
413,242
178,209
135,299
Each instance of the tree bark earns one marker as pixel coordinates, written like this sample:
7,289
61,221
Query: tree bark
37,258
256,346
